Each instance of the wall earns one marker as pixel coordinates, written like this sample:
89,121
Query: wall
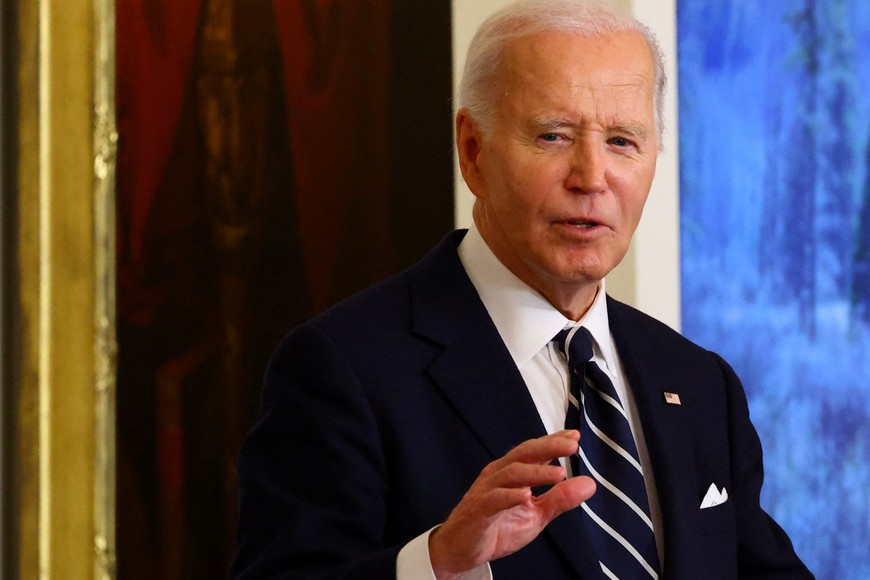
649,277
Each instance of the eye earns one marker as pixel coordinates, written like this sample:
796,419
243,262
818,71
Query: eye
620,142
550,137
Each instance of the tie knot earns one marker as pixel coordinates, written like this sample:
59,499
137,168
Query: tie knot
576,344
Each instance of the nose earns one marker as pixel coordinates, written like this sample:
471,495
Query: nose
587,168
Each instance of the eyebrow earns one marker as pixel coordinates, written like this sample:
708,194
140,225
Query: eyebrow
550,124
635,129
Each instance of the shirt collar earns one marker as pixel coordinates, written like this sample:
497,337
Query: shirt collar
524,319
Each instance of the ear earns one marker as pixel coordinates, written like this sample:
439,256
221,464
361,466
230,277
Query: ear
469,143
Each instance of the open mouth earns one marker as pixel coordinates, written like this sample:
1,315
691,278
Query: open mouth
582,224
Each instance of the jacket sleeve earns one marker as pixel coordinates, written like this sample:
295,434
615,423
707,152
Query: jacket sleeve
763,548
312,474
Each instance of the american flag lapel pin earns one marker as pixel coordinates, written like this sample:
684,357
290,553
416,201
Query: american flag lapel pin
672,398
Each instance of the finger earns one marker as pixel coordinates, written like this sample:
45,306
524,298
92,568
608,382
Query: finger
526,475
566,495
499,500
544,449
569,433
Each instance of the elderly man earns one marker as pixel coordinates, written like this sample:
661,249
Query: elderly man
491,412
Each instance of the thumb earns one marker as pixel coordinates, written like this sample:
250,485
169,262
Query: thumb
566,495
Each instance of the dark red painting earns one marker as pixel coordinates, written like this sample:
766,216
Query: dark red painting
275,156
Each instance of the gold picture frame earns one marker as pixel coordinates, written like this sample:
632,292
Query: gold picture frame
59,508
106,342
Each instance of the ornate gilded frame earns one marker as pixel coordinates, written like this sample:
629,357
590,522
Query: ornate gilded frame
60,512
106,346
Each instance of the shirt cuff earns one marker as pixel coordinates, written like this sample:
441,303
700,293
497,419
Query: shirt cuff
413,562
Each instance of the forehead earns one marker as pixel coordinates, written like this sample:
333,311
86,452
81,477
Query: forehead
612,71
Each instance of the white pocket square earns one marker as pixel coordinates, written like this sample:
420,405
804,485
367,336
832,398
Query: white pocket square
714,497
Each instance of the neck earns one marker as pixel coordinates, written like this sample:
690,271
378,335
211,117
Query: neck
573,306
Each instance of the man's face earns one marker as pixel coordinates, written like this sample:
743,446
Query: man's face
563,174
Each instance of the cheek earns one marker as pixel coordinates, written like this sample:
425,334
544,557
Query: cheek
632,210
538,184
633,190
521,193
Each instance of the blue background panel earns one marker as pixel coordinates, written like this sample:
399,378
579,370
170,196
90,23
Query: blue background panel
775,247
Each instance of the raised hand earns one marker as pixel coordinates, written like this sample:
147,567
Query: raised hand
499,514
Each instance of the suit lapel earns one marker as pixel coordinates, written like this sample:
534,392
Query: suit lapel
474,370
665,428
476,373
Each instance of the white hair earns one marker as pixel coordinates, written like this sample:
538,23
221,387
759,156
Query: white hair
529,17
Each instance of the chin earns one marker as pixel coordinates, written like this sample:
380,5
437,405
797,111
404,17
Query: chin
586,270
579,275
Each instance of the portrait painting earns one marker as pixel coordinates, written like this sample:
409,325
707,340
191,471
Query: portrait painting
273,158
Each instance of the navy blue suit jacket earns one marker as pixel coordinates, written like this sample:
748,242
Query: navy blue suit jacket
379,414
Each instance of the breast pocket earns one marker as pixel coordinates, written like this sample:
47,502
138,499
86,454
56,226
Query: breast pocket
717,519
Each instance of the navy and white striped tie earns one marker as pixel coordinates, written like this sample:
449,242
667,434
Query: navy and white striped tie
617,515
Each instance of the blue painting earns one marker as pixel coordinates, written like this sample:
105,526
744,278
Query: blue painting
775,234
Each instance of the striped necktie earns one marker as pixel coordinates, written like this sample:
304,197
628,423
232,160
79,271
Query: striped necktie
617,515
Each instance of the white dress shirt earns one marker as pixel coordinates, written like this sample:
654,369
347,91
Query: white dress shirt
527,323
